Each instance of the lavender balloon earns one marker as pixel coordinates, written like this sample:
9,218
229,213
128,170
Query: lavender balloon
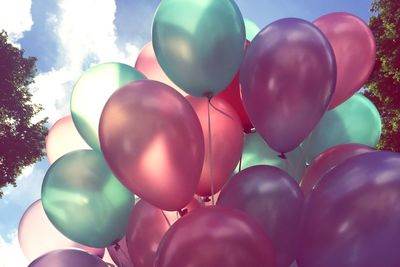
352,217
288,77
67,258
274,200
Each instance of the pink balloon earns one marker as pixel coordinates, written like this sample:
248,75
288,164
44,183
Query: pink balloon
147,226
328,160
354,46
226,142
287,80
119,254
153,142
147,64
37,236
215,237
63,138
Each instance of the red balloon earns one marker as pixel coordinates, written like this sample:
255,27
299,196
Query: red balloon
215,237
226,142
63,137
147,64
153,142
354,46
328,160
147,225
231,94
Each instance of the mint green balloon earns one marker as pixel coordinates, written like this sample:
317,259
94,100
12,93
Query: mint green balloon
91,93
355,121
257,152
84,201
199,43
251,29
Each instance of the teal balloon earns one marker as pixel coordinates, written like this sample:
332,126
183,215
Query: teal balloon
257,152
355,121
91,93
251,29
84,201
199,43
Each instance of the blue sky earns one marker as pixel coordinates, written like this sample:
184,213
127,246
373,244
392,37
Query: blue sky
68,36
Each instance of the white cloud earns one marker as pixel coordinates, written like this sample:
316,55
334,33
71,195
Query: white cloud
86,35
16,18
10,252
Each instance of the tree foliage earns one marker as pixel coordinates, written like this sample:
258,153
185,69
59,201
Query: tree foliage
384,82
21,141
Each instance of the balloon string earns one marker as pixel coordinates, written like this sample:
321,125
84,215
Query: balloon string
210,152
240,162
166,218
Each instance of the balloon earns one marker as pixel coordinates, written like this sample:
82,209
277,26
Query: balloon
119,253
251,29
199,45
67,258
351,218
273,199
257,152
231,94
147,63
147,226
355,121
152,140
37,236
328,160
288,77
91,92
63,138
354,46
84,201
215,236
226,142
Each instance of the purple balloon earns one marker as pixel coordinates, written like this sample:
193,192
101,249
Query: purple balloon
288,77
328,160
67,258
119,254
352,217
215,237
274,199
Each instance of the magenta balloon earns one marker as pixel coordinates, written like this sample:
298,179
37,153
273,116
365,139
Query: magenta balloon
152,140
273,199
37,235
352,218
68,258
215,237
354,46
119,254
147,226
328,160
287,79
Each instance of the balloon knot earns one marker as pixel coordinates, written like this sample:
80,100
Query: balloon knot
183,212
209,95
282,156
206,199
116,245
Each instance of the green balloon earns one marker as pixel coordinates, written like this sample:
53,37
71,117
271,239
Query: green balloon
257,152
84,201
199,43
355,121
91,93
251,29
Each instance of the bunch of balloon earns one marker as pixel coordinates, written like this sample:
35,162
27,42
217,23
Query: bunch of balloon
200,101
